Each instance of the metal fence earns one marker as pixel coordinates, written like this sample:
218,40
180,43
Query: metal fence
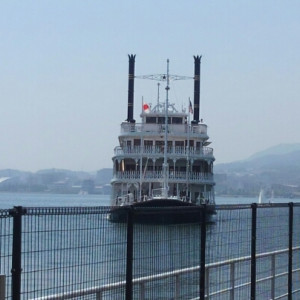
243,252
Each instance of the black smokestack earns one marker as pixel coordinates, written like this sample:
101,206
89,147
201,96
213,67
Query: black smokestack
130,89
197,89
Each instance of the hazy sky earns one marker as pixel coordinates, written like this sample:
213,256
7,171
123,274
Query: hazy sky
64,65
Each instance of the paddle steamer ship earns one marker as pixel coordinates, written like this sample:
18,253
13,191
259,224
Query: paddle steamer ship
164,161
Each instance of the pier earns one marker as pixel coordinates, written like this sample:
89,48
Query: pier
244,252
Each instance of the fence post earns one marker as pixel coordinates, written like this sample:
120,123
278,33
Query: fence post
16,253
253,250
202,253
232,280
273,273
177,287
2,287
290,267
129,254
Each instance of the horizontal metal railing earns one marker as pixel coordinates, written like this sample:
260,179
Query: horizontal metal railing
154,129
205,152
173,176
142,281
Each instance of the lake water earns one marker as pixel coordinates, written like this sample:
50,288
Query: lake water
8,200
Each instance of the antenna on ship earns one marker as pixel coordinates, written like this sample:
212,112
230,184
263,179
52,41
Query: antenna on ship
165,165
158,84
188,162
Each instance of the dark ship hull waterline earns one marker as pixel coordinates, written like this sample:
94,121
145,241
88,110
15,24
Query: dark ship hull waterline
163,211
162,168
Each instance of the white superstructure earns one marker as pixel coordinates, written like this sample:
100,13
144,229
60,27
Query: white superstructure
165,156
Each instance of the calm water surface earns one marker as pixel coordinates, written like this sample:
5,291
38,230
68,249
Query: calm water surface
8,200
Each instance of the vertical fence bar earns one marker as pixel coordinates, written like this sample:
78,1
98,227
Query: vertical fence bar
207,283
290,267
273,276
177,287
16,253
232,280
2,287
99,296
202,253
129,254
142,291
253,250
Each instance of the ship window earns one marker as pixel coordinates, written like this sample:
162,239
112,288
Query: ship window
130,167
179,143
148,143
196,169
137,142
161,120
128,143
151,120
191,143
176,120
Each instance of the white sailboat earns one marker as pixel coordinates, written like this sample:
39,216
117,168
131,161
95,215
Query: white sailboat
261,196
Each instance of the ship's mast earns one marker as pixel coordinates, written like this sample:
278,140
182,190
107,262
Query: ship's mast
167,77
188,152
165,165
158,84
141,157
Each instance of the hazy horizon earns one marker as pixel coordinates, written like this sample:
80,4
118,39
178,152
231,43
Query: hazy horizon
64,70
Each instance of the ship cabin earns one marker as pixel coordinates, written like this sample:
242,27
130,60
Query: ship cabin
138,160
154,154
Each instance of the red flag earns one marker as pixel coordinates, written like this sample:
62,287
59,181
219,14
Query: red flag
146,108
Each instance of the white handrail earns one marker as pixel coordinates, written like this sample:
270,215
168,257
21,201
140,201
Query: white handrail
175,150
173,176
154,129
176,273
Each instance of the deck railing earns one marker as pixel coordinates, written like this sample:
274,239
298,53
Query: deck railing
205,152
158,175
173,129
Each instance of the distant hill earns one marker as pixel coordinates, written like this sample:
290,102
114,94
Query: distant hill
277,150
104,176
278,166
12,173
56,181
275,157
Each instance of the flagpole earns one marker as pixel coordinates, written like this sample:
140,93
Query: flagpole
158,84
141,151
165,164
188,147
